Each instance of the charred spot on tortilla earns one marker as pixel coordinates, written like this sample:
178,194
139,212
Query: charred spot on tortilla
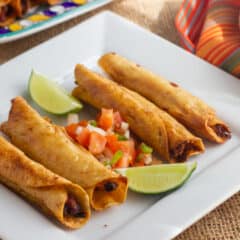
72,208
110,186
173,84
222,131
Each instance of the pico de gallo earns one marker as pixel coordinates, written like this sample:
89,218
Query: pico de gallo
108,138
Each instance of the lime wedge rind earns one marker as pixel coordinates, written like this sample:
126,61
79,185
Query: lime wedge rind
50,96
162,177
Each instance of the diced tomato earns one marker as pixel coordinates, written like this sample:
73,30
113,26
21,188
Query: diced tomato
135,158
128,147
139,159
83,123
123,162
108,145
106,119
83,138
71,130
97,143
112,142
117,120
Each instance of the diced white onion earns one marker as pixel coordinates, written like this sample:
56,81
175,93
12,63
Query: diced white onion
127,134
124,126
96,129
72,118
147,159
79,130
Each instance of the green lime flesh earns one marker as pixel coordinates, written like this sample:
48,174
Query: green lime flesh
50,96
157,179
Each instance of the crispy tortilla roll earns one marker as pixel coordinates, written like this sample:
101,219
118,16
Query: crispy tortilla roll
186,108
68,203
51,146
50,2
20,6
7,13
152,125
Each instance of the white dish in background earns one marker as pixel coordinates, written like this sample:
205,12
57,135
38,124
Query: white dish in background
217,176
63,11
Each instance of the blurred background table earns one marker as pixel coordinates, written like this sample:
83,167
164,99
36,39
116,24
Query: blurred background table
158,16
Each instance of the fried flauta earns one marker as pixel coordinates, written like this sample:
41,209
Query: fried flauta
7,13
191,111
49,2
66,202
51,146
149,123
20,6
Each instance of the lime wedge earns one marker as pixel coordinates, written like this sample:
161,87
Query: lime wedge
50,96
158,178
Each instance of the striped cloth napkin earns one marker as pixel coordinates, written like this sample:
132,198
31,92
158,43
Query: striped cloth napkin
211,30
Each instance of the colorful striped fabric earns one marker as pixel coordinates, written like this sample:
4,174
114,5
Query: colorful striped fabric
211,30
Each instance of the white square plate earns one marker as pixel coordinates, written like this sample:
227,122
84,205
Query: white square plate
141,217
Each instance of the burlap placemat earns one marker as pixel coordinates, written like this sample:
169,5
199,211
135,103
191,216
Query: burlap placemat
158,16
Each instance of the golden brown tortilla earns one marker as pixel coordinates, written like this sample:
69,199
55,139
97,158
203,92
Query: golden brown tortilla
154,126
186,108
68,203
51,146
